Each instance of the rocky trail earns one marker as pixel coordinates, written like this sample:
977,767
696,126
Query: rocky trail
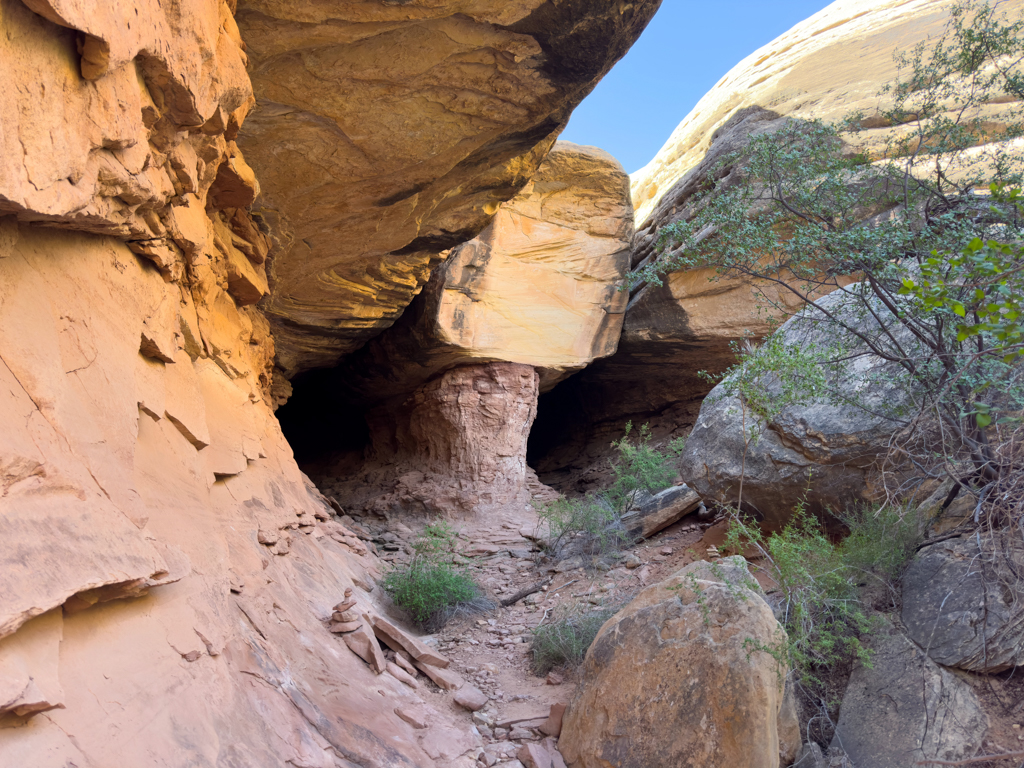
510,705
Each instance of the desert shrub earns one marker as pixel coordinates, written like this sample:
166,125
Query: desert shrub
589,522
640,467
882,540
564,642
432,586
815,600
930,226
819,583
593,523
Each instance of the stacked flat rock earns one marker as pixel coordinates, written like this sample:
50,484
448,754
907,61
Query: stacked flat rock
345,618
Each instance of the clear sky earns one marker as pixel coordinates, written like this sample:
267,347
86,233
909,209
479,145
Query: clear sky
684,51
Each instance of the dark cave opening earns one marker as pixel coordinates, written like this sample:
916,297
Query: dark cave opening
320,422
560,428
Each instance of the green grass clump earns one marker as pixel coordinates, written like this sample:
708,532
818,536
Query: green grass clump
431,587
565,642
592,524
882,541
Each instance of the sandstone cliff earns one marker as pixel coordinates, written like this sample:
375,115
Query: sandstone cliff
450,391
386,134
167,571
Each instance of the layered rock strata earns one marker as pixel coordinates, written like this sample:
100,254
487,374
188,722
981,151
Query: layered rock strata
541,285
386,134
159,536
538,290
167,574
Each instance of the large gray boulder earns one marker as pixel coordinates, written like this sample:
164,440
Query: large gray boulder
822,452
905,708
964,606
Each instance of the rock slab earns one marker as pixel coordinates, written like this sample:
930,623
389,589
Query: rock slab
905,708
661,510
964,606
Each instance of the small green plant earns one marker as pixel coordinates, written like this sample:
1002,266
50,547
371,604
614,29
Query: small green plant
640,467
594,522
815,600
565,641
432,586
881,541
589,519
818,589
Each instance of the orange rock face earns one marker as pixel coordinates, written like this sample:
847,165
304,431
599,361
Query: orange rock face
168,577
540,286
388,133
167,574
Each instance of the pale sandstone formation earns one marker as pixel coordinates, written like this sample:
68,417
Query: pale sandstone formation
670,333
539,286
388,133
135,136
670,679
826,67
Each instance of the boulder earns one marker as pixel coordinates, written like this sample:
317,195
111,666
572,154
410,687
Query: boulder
905,708
964,606
409,155
671,679
471,698
822,453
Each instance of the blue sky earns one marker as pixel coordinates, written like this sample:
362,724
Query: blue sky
684,51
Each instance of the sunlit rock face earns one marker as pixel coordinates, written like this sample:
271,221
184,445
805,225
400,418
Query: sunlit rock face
166,569
827,67
386,134
541,285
